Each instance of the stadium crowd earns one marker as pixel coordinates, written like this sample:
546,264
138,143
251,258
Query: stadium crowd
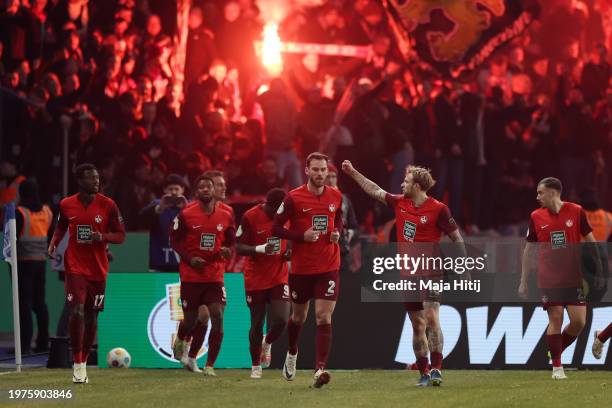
102,72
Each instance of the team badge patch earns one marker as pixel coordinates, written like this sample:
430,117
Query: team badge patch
69,297
219,227
569,223
98,219
423,219
332,207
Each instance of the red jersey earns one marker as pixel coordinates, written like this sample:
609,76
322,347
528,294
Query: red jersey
425,223
559,253
193,233
84,256
323,213
262,271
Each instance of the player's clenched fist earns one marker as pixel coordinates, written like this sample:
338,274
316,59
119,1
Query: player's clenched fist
197,262
347,167
311,235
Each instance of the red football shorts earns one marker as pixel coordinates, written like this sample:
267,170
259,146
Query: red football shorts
320,286
562,297
427,296
196,294
259,297
82,291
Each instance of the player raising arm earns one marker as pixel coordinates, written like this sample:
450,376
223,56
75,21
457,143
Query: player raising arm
92,221
419,218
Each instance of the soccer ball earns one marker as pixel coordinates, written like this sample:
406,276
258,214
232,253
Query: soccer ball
118,358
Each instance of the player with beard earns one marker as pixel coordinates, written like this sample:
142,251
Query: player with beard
314,212
92,221
202,235
265,278
419,219
558,228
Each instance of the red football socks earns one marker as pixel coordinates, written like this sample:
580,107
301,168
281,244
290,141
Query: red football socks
323,343
605,334
436,360
293,334
214,346
423,365
567,340
77,327
198,333
274,333
555,346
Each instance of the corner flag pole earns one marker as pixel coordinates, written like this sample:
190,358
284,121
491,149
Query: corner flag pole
10,255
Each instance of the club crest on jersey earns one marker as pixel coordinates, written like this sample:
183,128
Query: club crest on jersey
98,219
423,219
69,297
219,227
569,223
332,207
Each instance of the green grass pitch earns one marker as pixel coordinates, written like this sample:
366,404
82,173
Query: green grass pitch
109,388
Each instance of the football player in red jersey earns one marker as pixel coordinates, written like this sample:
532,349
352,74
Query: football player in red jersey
419,219
314,211
558,227
265,277
92,220
202,236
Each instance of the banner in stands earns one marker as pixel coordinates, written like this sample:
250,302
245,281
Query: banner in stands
456,36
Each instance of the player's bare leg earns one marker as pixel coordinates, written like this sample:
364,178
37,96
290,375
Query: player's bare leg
435,340
600,338
215,338
89,334
420,345
77,329
555,340
294,327
323,311
198,332
258,315
278,313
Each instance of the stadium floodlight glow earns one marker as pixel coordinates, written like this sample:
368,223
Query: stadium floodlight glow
271,52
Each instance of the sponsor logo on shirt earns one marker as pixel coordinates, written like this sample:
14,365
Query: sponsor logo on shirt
277,244
558,239
207,241
83,234
409,230
320,223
